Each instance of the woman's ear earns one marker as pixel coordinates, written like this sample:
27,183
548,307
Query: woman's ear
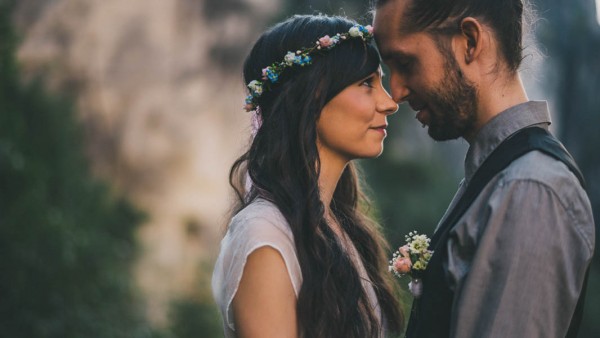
473,35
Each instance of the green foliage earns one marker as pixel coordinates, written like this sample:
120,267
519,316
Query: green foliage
196,316
191,317
66,243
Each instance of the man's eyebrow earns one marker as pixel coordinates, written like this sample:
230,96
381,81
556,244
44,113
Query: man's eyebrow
395,54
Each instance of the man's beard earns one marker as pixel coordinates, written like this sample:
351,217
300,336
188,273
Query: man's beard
453,104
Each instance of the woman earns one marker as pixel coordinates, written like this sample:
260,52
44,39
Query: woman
300,259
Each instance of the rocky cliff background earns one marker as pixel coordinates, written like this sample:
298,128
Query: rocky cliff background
157,89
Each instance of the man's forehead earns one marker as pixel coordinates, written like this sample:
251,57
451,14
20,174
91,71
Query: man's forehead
388,20
388,29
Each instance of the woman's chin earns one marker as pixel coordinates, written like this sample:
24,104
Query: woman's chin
378,150
371,153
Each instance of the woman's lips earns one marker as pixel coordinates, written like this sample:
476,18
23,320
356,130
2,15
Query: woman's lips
381,129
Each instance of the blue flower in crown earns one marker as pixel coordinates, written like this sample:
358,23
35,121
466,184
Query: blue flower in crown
301,58
271,74
364,30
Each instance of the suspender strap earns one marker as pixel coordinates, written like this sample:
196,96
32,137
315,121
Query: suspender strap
519,144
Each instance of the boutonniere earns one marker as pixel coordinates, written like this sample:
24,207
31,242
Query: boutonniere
412,259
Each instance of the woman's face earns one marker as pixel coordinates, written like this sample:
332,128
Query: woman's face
353,124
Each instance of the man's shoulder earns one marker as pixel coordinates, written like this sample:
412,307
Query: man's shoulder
552,175
536,166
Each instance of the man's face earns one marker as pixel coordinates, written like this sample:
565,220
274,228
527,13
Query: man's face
426,74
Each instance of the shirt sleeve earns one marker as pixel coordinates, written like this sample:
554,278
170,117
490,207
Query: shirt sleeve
245,235
528,265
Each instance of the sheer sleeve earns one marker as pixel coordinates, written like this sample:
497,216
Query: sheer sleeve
258,225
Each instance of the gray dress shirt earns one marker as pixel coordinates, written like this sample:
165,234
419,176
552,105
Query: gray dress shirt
517,258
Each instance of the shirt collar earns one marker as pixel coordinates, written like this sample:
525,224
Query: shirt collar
500,128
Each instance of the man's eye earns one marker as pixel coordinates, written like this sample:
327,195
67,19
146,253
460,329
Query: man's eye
403,66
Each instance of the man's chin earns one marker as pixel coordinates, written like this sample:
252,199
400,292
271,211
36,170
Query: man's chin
443,134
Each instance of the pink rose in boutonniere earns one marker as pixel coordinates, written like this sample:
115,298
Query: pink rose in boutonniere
402,265
412,259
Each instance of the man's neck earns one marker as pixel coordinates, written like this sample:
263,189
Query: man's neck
497,96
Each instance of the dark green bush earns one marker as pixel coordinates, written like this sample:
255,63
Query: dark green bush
66,242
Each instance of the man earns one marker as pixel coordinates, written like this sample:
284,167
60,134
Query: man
514,264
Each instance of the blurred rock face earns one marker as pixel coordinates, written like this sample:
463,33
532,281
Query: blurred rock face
159,91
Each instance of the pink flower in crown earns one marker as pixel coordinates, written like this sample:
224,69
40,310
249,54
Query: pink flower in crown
264,73
402,265
326,41
369,28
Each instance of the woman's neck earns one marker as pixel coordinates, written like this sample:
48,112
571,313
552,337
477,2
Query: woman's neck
332,168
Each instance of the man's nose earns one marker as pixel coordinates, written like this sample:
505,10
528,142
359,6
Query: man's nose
398,88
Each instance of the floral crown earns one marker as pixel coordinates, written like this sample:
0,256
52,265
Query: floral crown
302,57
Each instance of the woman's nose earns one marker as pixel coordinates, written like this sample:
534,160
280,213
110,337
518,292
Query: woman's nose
386,104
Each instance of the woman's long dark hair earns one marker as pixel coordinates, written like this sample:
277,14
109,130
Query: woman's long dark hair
283,164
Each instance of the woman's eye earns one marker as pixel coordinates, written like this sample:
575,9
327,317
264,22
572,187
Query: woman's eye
368,82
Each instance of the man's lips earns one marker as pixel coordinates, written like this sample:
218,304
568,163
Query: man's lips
422,113
423,117
416,106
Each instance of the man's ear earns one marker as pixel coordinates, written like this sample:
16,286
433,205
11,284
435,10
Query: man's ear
472,33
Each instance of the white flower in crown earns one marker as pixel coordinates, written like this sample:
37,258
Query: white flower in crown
355,32
290,58
302,57
255,87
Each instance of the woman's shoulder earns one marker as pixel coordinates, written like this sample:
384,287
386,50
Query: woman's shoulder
260,224
257,217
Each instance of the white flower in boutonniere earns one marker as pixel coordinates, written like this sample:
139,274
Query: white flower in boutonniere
412,259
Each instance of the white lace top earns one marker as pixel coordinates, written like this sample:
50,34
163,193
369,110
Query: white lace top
261,224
